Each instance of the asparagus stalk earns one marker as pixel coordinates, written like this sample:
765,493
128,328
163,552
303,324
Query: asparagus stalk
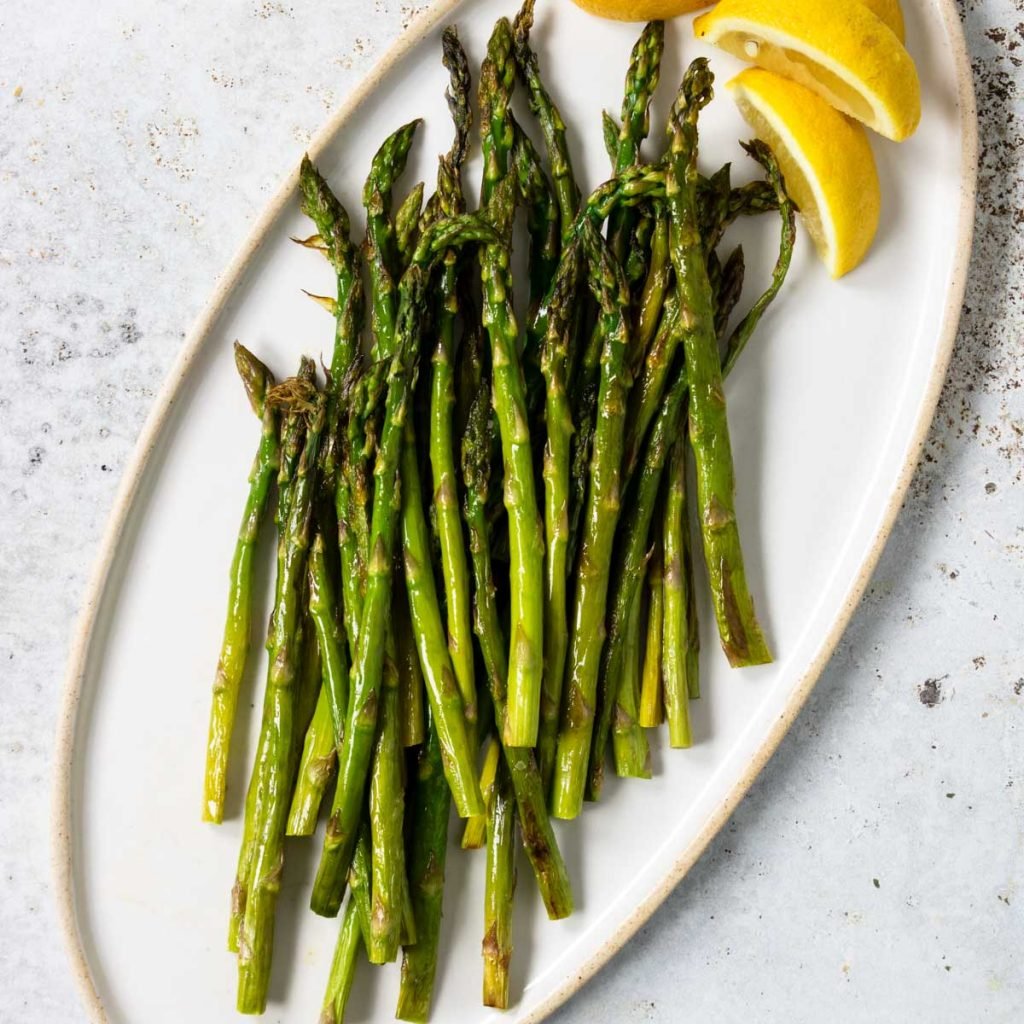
381,241
410,678
407,219
629,742
636,265
692,624
548,117
600,520
333,239
729,289
738,628
641,83
631,556
531,793
650,387
354,756
343,967
427,851
732,283
610,136
446,702
292,435
655,288
309,683
387,813
675,639
499,890
323,738
526,661
345,381
557,460
651,707
351,500
448,519
271,774
787,238
235,645
359,879
474,835
542,225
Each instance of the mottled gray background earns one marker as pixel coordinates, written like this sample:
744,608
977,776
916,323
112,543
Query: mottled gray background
873,873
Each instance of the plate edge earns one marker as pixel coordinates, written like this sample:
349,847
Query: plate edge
61,837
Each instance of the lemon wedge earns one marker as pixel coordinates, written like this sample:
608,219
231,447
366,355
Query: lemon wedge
825,158
641,10
837,48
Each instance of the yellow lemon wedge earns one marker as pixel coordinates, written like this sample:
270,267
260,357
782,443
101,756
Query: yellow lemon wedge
825,158
640,10
837,48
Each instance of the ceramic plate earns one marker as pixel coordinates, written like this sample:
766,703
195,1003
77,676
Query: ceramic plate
828,408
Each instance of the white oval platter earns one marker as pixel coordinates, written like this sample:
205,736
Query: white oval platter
829,409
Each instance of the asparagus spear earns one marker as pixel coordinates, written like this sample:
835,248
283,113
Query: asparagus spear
499,890
235,646
601,517
692,625
610,136
343,967
333,239
629,742
323,737
410,678
474,835
652,297
387,813
446,702
542,225
428,848
738,628
641,83
732,283
407,220
309,683
675,639
354,756
631,557
381,243
538,836
548,117
654,374
729,289
355,930
787,214
526,661
293,432
271,774
345,381
448,520
651,707
359,879
557,458
636,265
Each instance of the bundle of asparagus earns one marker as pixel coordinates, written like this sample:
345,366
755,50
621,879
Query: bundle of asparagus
451,502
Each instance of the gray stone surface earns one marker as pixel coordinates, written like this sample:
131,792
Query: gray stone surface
873,873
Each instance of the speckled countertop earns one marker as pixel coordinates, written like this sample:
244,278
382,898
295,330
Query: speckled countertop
875,871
